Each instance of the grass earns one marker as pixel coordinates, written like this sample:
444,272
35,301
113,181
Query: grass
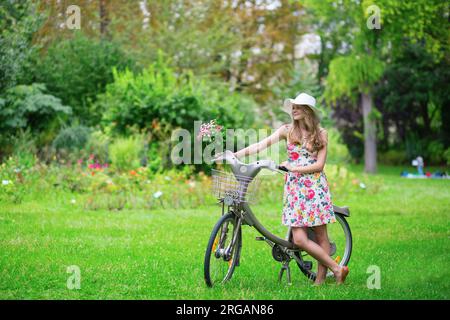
403,229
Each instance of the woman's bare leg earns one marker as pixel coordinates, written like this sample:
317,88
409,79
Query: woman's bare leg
322,239
300,238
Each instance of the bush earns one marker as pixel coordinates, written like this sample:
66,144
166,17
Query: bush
392,157
154,158
72,138
22,148
447,156
76,70
13,185
125,153
98,145
31,108
337,152
10,192
158,94
415,146
435,152
141,188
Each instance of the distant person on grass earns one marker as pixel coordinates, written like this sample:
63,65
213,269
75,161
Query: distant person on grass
307,199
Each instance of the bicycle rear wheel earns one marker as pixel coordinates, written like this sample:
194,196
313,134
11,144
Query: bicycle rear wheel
220,256
340,237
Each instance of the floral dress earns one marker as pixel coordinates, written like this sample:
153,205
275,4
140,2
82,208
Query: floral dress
306,198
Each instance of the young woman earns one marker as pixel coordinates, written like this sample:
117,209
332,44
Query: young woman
307,199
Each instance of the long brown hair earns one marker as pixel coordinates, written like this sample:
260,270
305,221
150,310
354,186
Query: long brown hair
311,123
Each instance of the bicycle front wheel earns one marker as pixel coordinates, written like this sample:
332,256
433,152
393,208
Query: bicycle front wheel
221,255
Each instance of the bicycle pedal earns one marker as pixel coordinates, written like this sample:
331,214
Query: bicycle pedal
260,239
307,265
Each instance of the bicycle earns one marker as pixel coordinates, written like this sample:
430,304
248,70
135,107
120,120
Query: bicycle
234,190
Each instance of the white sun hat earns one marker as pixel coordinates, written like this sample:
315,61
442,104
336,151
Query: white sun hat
301,99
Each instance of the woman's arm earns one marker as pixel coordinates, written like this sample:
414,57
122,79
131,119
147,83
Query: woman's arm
321,158
279,134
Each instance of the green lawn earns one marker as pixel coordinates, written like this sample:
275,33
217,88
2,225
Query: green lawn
403,229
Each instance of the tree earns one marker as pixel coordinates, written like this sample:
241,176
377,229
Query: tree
18,22
413,98
360,59
76,70
358,73
94,19
246,43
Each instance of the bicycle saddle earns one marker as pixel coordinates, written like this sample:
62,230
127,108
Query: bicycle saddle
342,210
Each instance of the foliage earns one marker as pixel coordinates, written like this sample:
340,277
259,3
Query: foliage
344,26
420,21
141,188
414,145
76,70
21,146
154,157
19,20
414,94
247,44
10,192
14,186
125,153
447,156
72,138
157,93
393,157
353,73
435,152
345,37
98,145
337,151
29,106
157,101
250,45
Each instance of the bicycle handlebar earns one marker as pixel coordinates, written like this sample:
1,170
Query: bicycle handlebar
230,158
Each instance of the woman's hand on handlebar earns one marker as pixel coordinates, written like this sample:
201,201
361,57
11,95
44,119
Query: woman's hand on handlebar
285,166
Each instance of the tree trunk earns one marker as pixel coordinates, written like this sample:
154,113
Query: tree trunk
104,19
370,134
426,118
445,116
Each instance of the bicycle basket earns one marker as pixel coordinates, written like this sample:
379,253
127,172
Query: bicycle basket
234,188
